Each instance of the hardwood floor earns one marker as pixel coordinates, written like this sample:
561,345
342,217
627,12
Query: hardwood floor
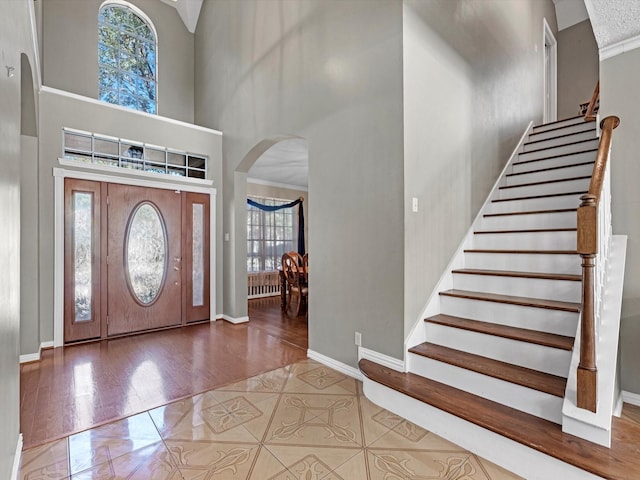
78,387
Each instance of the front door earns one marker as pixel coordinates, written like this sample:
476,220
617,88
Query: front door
144,259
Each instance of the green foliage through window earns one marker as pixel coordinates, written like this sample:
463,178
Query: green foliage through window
126,59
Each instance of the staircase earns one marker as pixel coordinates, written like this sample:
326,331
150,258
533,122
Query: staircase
501,344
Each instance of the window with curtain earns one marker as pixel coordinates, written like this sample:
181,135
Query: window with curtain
127,62
269,235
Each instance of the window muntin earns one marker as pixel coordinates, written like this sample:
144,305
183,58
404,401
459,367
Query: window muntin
116,152
127,60
269,235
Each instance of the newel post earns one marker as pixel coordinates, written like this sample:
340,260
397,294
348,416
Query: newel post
587,247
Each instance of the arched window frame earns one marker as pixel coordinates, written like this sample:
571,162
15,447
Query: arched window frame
139,13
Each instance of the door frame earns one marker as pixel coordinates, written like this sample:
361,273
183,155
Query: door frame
550,107
103,174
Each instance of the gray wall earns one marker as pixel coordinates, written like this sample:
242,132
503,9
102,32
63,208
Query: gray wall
58,111
620,81
70,51
578,67
15,38
472,82
329,71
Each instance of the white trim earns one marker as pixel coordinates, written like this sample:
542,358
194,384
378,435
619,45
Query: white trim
59,175
336,365
258,181
30,357
219,316
381,359
263,295
234,320
16,459
160,118
549,114
621,47
36,47
65,162
631,398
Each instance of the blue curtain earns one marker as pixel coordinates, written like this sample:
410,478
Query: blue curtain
273,208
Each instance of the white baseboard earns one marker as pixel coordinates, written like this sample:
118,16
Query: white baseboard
217,317
34,357
631,398
16,460
235,320
381,359
336,365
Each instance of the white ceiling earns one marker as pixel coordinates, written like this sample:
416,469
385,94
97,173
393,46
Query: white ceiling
614,21
570,12
284,164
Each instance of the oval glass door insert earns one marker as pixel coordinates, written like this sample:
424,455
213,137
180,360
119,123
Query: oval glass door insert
146,253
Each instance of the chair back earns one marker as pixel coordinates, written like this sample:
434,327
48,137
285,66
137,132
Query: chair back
305,265
291,269
296,256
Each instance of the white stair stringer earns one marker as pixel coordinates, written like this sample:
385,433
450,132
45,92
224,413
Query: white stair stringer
525,399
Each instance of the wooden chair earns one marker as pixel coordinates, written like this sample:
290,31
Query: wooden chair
294,275
296,256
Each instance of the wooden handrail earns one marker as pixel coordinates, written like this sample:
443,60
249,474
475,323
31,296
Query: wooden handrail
590,115
588,248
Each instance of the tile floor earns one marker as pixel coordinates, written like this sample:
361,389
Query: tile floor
300,422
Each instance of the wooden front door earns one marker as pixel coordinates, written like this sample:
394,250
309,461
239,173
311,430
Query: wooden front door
144,259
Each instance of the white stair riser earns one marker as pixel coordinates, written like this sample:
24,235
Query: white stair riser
546,175
524,262
537,144
534,204
530,355
526,241
531,318
561,290
515,396
562,150
561,124
538,220
546,188
527,166
579,127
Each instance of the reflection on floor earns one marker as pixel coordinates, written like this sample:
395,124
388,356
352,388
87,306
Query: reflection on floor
300,422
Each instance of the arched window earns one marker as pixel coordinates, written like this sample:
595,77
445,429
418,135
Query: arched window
127,57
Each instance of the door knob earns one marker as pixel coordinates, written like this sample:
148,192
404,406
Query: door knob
176,268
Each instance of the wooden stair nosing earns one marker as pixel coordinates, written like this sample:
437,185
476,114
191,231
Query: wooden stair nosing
517,274
525,377
523,252
550,169
529,230
534,197
514,300
613,463
560,121
530,212
545,182
559,146
592,129
522,162
545,339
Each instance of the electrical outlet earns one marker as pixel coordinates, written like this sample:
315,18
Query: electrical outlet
358,339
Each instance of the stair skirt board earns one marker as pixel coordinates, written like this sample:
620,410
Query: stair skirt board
525,399
545,320
515,457
528,355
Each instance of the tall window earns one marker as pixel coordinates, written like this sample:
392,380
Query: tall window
269,235
126,58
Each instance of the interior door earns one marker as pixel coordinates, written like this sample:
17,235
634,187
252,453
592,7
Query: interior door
143,259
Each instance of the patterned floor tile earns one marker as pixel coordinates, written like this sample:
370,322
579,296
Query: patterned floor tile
315,378
496,472
267,382
214,460
376,421
355,468
407,435
312,463
49,461
105,443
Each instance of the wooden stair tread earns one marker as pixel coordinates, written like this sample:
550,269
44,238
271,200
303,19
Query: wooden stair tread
560,146
525,252
522,162
592,129
531,212
513,333
545,182
514,300
529,230
615,463
525,377
550,169
533,197
518,274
